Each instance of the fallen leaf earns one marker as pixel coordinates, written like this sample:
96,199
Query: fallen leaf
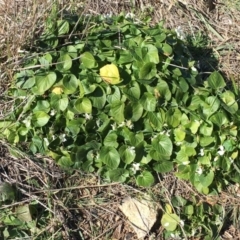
57,90
110,74
142,214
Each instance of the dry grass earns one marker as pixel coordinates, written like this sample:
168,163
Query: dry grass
80,205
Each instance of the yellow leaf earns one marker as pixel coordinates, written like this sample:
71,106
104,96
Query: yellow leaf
168,208
110,74
57,90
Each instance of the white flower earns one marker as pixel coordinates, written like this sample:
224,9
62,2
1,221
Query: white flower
63,138
52,113
221,150
114,126
27,122
108,15
194,69
98,122
46,141
122,124
181,223
231,160
215,159
88,116
165,132
130,15
129,124
97,155
135,167
132,150
201,152
180,33
172,235
154,136
199,170
179,143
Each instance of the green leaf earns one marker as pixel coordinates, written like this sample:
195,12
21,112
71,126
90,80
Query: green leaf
163,166
206,141
64,63
72,51
29,83
65,161
152,53
42,105
63,27
137,111
110,157
170,221
210,106
148,102
44,81
83,105
193,126
117,111
229,102
88,60
145,179
74,126
166,49
116,96
87,166
162,90
111,140
219,119
206,129
179,134
136,138
183,85
163,145
173,117
127,154
6,192
118,175
157,119
148,71
40,118
5,124
132,91
63,103
206,179
189,210
216,81
98,98
23,213
70,83
59,102
184,154
229,145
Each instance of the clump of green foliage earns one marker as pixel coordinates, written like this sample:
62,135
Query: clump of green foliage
160,117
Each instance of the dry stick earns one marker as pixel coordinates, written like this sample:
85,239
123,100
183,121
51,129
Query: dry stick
77,187
15,204
109,229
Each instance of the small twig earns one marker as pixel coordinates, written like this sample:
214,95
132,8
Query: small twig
77,187
109,229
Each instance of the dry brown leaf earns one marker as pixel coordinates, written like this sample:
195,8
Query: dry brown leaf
142,215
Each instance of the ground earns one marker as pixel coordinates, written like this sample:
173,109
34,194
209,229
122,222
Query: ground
79,206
